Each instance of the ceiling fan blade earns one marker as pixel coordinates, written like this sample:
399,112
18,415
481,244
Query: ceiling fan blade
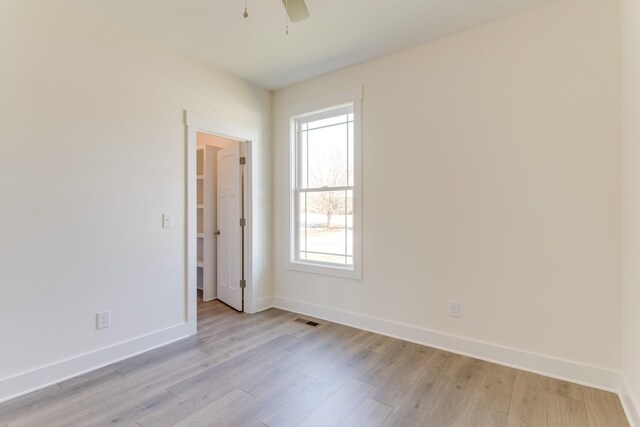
296,9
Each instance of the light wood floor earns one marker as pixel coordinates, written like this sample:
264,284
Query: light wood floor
270,370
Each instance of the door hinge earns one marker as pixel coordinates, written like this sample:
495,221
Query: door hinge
243,283
243,222
243,160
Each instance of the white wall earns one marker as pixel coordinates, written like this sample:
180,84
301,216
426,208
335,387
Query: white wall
92,152
630,24
491,176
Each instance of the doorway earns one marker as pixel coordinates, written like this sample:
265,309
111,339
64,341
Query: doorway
220,219
254,249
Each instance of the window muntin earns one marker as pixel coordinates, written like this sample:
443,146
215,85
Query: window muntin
324,188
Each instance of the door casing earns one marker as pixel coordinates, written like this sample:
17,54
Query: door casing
195,123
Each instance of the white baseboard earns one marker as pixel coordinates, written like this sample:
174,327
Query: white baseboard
264,303
630,403
591,376
45,376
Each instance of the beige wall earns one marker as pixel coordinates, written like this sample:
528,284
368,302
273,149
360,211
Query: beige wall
491,173
92,153
630,13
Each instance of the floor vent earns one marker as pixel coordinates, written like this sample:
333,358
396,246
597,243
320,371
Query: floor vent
307,322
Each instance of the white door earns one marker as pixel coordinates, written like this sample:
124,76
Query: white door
230,237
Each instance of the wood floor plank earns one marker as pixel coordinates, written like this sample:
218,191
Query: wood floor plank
312,360
234,335
90,380
444,363
243,366
322,340
117,409
497,388
304,403
169,364
397,372
458,395
529,401
83,392
604,408
331,358
565,412
418,402
480,416
131,412
369,412
177,411
38,400
338,407
380,343
145,394
158,356
207,386
387,362
151,388
234,324
219,412
283,326
565,389
280,392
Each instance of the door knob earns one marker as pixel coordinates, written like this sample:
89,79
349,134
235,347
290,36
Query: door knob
217,232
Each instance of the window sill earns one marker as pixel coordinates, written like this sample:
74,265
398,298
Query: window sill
325,270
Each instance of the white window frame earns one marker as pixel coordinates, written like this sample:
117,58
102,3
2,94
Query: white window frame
353,97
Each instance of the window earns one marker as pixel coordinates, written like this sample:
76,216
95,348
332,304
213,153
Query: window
325,190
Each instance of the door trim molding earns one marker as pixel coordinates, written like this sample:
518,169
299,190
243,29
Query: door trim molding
194,123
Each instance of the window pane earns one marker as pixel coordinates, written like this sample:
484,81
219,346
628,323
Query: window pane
326,160
326,225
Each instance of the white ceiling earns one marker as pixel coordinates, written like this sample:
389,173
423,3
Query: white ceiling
338,34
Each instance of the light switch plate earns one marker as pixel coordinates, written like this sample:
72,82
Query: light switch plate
103,319
167,221
454,309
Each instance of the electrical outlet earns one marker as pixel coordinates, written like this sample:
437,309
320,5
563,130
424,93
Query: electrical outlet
454,309
167,221
103,319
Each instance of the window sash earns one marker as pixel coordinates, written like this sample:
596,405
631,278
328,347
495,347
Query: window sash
299,141
299,253
346,104
345,253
